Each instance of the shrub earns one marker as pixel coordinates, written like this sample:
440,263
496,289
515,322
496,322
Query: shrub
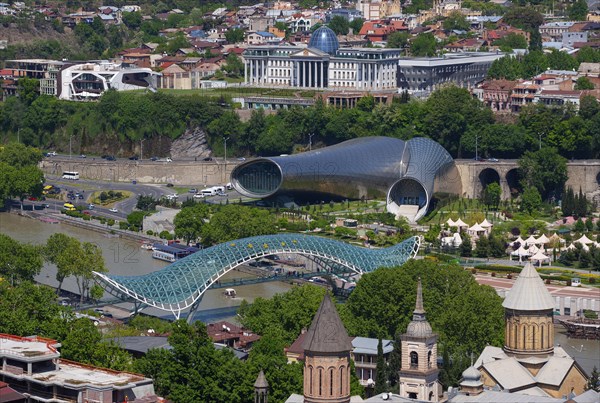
150,232
493,274
592,280
473,271
86,217
123,225
110,222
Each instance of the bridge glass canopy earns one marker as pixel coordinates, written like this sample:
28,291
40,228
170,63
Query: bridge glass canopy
179,285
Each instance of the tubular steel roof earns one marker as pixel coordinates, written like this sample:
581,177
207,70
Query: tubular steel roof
179,285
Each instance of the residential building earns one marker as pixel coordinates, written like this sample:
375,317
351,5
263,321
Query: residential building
496,94
32,366
523,93
231,335
426,74
379,30
364,354
261,37
555,29
570,38
323,64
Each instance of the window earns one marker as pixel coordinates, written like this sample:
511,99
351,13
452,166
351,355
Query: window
331,382
320,381
414,359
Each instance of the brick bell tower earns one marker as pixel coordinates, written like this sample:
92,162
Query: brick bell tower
327,348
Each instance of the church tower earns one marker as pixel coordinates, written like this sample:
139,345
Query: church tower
261,388
528,312
419,372
327,357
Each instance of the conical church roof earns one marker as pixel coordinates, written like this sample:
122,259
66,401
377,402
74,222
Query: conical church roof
529,292
327,333
261,381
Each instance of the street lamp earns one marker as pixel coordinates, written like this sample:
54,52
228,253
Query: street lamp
310,136
225,144
142,149
70,143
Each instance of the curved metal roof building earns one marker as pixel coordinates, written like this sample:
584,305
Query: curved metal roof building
406,172
180,285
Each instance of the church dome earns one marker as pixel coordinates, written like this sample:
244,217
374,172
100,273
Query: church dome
325,40
471,374
419,329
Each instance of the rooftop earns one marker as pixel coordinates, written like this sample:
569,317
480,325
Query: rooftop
529,293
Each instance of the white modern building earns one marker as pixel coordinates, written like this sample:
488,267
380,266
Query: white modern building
89,80
322,65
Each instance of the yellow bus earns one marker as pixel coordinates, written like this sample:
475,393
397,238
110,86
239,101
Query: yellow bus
47,189
69,207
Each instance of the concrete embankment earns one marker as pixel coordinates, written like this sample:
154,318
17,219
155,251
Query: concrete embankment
92,226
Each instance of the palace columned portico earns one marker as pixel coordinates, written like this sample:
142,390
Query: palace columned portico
310,73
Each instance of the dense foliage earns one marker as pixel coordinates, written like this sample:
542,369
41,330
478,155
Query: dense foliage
19,174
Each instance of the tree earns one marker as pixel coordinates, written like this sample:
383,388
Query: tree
356,25
526,18
339,25
423,45
512,41
234,35
136,218
233,222
398,39
383,301
28,89
132,20
63,251
545,170
584,83
531,200
380,371
578,11
588,107
233,66
561,60
594,380
456,21
507,67
491,195
466,249
18,261
189,222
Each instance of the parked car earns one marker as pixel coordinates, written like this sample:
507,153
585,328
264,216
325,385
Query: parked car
169,185
492,159
111,158
91,206
113,210
82,156
51,154
241,159
153,158
207,159
193,190
134,158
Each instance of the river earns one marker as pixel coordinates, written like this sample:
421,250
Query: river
125,257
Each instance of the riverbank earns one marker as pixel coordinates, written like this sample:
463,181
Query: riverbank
108,231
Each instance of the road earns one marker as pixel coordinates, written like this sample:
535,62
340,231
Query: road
87,187
555,290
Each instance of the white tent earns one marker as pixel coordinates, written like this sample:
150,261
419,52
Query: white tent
476,228
486,224
584,240
533,249
543,239
519,240
451,223
540,257
583,246
531,240
460,223
521,252
457,239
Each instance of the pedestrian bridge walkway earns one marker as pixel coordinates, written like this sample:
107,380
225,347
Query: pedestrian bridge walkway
181,285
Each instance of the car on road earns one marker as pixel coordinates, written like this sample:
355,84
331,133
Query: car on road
80,197
51,154
113,210
153,158
207,159
492,159
169,185
82,156
46,205
241,159
91,206
478,159
111,158
134,158
193,190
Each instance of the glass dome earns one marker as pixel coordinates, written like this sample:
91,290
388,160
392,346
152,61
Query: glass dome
325,40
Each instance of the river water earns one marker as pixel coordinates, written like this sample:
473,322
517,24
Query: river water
124,257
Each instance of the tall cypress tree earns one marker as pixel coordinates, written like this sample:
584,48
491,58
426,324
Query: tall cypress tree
581,204
395,363
381,373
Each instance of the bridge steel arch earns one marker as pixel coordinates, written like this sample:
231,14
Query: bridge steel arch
182,284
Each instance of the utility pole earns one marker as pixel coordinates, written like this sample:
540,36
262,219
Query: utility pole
310,136
225,144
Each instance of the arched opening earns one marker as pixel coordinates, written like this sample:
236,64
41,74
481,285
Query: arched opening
407,197
412,395
430,396
429,364
320,381
513,178
331,382
341,381
259,178
414,359
310,379
487,176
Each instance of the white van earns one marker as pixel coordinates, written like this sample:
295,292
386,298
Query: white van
208,192
219,189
